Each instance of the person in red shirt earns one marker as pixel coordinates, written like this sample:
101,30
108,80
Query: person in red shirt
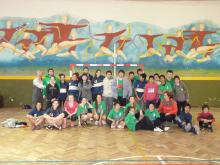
151,92
168,108
205,118
70,109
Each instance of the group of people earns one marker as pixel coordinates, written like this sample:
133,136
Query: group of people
132,102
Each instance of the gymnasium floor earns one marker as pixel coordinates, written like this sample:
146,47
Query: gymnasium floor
94,145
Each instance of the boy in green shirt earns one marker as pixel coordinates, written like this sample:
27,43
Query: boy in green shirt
170,78
163,87
154,116
116,117
47,78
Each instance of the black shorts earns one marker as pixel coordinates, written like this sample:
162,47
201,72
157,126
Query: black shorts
72,118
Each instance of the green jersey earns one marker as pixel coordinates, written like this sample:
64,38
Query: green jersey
152,115
82,109
116,115
120,87
131,121
163,88
101,107
137,107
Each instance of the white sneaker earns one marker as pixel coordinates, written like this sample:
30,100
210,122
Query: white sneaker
96,122
157,129
103,122
113,126
120,126
166,128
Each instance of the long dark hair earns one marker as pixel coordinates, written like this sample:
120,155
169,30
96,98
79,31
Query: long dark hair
87,81
96,102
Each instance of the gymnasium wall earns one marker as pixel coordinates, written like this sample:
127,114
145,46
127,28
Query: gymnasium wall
202,68
19,92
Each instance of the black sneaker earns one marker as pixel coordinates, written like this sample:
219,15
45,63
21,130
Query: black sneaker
49,127
210,129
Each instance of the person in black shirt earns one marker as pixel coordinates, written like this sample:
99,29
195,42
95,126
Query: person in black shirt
52,92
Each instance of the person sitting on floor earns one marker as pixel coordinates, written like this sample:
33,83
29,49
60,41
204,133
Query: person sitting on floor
168,108
184,120
99,111
154,117
54,116
116,116
70,109
205,118
84,112
36,117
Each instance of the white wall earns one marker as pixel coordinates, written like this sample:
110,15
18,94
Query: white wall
165,14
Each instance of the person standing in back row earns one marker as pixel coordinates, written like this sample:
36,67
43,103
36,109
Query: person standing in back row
124,89
38,87
181,94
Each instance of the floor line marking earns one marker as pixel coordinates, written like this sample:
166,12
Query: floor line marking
160,159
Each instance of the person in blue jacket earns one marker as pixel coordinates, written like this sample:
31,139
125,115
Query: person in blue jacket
74,86
97,82
64,86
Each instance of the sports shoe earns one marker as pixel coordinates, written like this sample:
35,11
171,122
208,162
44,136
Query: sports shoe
96,122
120,126
103,122
157,129
49,127
210,129
196,130
113,126
166,128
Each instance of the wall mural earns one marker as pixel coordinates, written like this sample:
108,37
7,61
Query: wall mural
61,40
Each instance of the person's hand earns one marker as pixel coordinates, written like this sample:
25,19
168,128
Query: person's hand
79,125
206,120
167,114
44,97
